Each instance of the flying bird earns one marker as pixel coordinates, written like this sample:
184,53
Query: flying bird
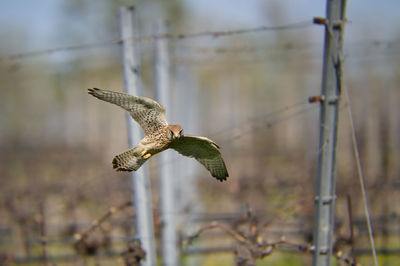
159,136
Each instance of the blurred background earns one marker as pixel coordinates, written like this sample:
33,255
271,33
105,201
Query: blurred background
248,92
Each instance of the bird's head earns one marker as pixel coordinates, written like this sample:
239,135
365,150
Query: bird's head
175,131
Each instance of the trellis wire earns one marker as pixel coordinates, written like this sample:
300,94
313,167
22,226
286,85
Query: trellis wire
361,177
153,37
383,45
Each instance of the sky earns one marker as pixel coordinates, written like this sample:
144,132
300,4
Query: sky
368,19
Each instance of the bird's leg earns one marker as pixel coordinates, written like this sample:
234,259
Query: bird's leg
145,155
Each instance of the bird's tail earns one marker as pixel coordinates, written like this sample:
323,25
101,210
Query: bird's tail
130,160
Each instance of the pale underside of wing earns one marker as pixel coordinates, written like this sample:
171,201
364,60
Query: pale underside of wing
148,113
205,151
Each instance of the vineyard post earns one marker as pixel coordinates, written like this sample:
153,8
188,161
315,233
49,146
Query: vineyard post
140,180
330,95
170,252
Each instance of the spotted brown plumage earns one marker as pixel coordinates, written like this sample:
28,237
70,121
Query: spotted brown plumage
159,136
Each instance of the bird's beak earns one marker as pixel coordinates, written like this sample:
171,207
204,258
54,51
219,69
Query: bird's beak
177,135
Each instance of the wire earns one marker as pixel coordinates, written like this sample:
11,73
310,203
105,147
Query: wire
148,38
288,45
267,124
261,117
58,49
368,44
296,25
361,178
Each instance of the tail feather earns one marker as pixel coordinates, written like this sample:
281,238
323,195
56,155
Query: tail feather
129,161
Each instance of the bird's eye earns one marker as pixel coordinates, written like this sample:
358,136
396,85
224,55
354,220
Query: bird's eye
171,134
181,132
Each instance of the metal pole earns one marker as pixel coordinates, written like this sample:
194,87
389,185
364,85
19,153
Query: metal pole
326,175
185,112
170,254
140,179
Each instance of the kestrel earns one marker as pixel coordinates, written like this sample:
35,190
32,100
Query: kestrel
159,136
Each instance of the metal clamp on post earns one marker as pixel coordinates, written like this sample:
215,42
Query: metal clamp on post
325,200
316,99
336,25
333,99
321,99
322,21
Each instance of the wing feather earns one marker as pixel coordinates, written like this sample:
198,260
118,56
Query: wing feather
148,113
204,151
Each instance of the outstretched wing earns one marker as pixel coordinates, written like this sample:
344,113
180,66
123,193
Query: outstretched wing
205,151
148,113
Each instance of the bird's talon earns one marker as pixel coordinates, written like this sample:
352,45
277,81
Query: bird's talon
145,154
